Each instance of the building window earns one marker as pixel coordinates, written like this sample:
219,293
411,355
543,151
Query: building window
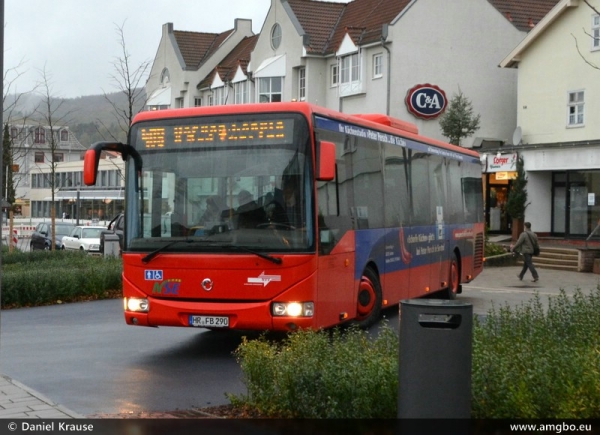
165,77
39,157
210,100
14,133
350,68
219,96
197,101
59,157
39,135
64,135
335,77
269,89
179,103
378,66
575,108
302,84
275,36
596,32
350,75
240,92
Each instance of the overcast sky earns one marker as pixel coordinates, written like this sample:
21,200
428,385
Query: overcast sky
77,41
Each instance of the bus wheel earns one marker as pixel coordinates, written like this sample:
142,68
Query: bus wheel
368,307
453,278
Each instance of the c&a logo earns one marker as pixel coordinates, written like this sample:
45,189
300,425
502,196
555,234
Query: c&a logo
426,101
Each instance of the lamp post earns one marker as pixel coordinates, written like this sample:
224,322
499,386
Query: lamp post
77,205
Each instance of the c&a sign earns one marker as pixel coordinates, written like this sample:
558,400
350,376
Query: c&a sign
426,101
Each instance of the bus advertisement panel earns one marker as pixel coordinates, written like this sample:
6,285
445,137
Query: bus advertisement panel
286,215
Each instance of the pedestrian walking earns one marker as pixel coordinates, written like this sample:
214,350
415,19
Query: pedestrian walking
527,244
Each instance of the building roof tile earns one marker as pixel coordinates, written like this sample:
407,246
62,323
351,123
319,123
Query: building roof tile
239,56
524,14
195,47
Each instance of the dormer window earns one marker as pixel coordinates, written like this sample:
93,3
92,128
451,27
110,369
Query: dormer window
276,36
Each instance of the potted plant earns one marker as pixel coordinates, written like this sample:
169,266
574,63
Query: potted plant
517,200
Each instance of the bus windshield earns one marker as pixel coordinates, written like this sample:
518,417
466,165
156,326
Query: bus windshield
221,184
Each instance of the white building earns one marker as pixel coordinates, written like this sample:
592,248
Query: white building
32,154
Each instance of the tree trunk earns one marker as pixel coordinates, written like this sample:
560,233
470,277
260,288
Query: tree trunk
518,225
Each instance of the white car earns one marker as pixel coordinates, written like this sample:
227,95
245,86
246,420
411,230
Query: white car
84,238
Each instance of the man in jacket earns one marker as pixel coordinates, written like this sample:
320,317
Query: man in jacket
525,244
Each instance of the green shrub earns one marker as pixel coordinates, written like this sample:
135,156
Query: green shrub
529,362
320,374
40,278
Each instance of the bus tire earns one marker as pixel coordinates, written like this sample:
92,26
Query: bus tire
453,278
368,304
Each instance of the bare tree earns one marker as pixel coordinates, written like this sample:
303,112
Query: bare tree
15,114
48,112
127,78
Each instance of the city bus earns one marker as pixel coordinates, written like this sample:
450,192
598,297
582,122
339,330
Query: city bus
283,216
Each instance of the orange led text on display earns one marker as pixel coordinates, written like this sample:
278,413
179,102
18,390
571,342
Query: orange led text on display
208,133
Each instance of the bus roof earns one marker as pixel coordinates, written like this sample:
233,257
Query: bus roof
375,121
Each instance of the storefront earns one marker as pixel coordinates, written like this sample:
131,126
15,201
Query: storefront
499,170
563,188
575,203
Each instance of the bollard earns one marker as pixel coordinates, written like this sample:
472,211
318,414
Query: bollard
434,375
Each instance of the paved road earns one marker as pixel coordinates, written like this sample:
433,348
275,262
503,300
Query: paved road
84,357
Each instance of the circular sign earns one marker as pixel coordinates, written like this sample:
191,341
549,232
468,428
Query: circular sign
426,101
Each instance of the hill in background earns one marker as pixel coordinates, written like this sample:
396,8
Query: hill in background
91,118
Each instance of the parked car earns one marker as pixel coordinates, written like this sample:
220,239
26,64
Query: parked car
83,238
115,226
41,239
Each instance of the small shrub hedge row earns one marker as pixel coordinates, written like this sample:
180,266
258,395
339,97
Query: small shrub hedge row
528,362
321,375
41,278
531,362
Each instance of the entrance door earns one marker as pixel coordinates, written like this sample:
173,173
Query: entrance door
498,218
578,209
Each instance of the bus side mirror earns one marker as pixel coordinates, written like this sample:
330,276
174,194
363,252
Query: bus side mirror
326,161
90,166
92,158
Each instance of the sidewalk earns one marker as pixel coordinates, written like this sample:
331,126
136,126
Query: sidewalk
19,401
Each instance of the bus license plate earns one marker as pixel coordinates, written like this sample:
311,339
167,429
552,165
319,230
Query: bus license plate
209,321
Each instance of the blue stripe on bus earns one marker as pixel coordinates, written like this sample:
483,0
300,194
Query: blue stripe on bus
422,246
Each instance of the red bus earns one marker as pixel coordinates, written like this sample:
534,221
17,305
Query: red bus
287,215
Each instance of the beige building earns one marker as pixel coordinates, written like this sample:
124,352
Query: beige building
558,136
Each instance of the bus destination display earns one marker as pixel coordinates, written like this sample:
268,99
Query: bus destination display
243,133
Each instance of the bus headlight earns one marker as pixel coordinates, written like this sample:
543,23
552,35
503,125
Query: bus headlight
136,305
293,309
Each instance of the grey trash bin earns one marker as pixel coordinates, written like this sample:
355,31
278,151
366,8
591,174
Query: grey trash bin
434,376
111,245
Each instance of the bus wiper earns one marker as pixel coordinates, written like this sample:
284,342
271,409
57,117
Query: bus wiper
260,254
154,253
